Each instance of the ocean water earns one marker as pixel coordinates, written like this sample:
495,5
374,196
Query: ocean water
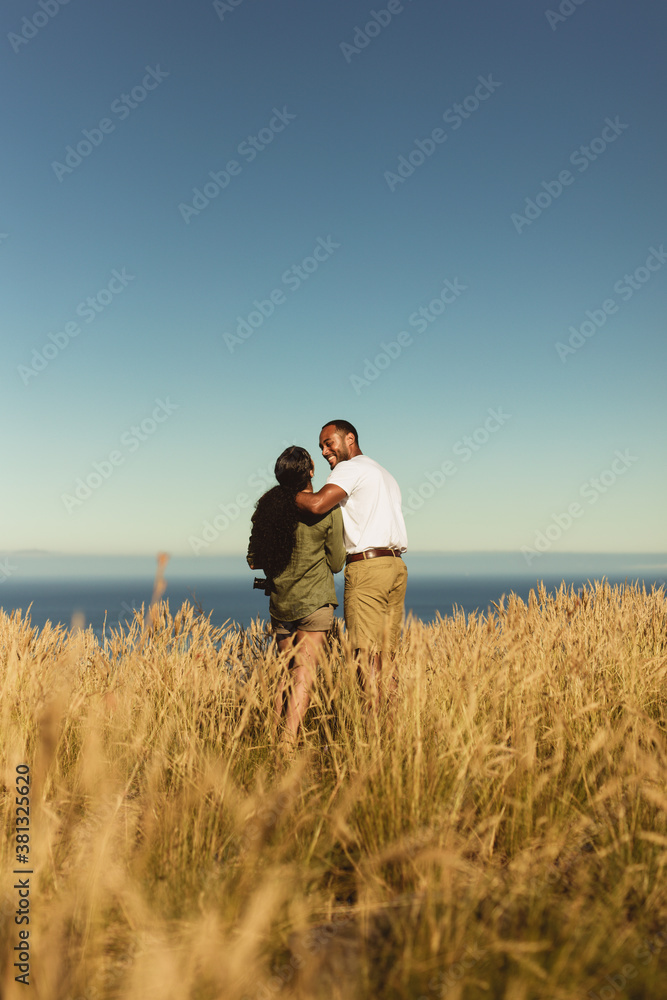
107,590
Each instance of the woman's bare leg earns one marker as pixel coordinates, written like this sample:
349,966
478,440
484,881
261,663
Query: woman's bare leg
284,646
308,649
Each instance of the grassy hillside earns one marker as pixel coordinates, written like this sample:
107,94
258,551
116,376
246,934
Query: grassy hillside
498,831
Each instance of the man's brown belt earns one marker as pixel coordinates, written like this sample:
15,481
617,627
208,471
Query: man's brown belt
371,554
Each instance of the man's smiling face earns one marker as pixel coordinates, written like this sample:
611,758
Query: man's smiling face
334,445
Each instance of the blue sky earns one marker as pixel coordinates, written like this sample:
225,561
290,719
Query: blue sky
445,223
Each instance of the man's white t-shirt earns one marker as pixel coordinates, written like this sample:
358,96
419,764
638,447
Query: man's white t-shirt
372,515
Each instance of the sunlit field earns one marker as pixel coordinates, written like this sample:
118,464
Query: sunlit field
497,830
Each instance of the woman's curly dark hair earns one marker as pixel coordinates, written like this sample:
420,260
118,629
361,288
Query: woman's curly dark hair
277,515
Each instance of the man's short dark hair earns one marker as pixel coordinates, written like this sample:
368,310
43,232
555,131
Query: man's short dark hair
344,427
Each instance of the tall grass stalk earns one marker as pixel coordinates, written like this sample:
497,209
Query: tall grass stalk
498,830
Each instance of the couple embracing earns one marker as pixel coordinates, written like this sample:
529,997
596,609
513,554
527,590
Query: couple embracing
301,538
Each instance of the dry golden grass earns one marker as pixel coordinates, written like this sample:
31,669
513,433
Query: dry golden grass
500,831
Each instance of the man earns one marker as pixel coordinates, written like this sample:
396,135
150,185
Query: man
375,536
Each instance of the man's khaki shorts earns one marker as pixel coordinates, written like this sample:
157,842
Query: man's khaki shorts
375,601
317,621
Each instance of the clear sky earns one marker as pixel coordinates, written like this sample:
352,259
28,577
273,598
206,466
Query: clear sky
225,224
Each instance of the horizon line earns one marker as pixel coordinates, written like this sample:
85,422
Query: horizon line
241,554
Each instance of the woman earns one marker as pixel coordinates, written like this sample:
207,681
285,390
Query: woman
299,552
